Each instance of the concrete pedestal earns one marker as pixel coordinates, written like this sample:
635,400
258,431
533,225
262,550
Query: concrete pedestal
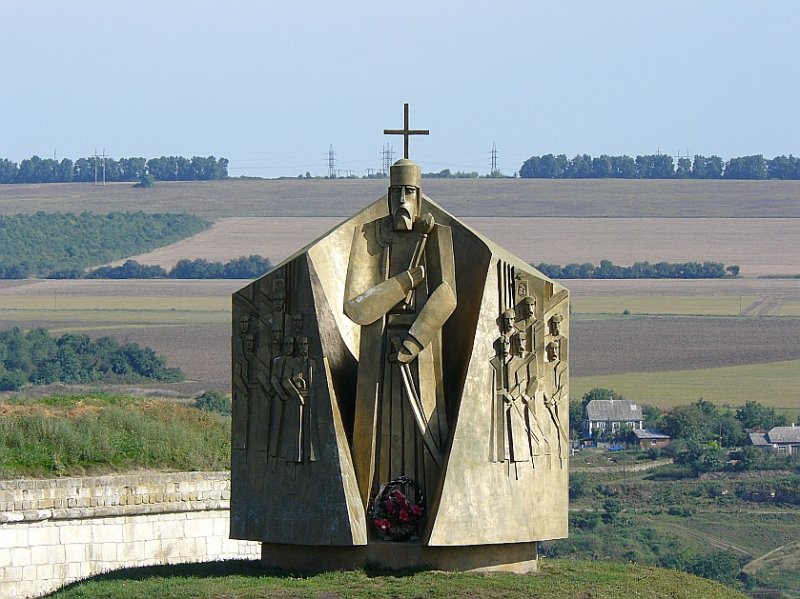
520,558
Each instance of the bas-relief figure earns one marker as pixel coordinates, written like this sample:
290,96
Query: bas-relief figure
401,343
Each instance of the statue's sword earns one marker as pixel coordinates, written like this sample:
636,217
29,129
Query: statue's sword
416,407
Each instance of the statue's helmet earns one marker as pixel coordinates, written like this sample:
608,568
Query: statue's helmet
404,172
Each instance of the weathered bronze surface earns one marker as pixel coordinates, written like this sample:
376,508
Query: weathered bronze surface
401,343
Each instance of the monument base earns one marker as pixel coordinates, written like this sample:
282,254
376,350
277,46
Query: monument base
519,558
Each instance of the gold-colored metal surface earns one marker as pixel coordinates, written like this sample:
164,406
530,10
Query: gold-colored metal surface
401,343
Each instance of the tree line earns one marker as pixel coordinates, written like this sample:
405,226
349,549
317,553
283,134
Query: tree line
44,243
37,358
659,166
244,267
85,170
639,270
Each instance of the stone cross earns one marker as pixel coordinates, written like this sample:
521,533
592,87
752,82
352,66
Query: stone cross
405,131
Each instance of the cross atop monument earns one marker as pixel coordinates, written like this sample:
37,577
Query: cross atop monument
405,131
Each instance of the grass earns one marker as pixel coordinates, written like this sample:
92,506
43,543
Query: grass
779,569
99,433
678,305
558,579
773,384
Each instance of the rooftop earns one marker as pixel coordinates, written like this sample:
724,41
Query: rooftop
618,410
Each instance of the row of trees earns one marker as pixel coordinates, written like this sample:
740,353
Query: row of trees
640,270
37,358
245,267
43,243
165,168
659,166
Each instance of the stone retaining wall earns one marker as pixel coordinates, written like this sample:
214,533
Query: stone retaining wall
56,531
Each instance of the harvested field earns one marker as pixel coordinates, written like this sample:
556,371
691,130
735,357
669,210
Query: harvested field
761,246
463,197
605,347
717,297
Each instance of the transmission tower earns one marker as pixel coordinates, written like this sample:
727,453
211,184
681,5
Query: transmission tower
97,158
387,158
331,163
494,158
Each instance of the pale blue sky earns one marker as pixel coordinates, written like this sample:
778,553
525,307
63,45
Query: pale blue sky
271,85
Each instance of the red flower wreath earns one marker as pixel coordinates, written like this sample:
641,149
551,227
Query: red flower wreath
398,510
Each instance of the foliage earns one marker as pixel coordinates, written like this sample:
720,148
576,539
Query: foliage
37,358
754,415
213,401
659,166
447,174
249,267
165,168
640,270
68,435
45,243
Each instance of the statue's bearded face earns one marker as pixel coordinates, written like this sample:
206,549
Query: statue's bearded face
404,203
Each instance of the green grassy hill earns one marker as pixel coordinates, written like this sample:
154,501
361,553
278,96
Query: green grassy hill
557,579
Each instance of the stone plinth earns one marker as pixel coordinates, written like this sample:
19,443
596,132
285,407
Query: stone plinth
518,558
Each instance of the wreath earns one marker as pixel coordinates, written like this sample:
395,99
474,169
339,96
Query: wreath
398,510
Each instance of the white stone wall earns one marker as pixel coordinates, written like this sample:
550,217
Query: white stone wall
57,531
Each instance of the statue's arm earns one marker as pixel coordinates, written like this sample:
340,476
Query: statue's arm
367,296
441,303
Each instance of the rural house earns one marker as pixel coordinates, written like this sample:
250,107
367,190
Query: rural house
781,439
609,415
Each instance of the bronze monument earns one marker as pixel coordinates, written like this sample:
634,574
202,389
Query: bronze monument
400,394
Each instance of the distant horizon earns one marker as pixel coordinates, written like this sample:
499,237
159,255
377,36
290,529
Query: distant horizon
272,86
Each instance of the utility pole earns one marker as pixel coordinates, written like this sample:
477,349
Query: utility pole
494,159
96,159
331,163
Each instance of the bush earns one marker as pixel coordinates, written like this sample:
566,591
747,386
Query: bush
213,401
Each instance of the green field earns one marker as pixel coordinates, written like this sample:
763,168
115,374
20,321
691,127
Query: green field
663,305
773,384
557,579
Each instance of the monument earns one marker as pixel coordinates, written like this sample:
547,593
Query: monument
400,396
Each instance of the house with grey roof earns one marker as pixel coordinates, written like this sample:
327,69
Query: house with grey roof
609,415
649,438
781,439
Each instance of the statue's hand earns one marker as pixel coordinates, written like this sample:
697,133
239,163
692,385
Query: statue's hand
411,278
409,350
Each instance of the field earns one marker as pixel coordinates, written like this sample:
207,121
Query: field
588,198
187,321
679,339
761,246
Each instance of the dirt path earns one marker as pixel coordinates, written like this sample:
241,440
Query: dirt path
764,306
751,566
711,540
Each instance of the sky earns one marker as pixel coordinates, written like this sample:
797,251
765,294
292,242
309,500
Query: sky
272,85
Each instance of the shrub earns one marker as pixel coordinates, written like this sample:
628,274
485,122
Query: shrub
213,401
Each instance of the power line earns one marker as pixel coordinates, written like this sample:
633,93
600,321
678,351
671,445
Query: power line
494,158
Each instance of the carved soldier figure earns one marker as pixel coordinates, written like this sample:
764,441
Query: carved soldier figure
400,288
298,435
280,365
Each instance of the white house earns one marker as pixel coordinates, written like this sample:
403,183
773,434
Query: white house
609,415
